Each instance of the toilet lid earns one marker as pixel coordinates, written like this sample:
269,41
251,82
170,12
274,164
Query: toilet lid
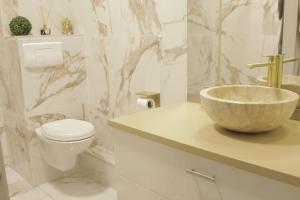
68,130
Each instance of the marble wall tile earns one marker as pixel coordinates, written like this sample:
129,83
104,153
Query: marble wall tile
135,68
173,72
99,103
173,81
99,17
134,17
202,44
117,68
128,17
1,22
32,98
225,36
8,10
13,109
124,46
56,92
91,17
1,119
1,104
52,94
250,31
3,143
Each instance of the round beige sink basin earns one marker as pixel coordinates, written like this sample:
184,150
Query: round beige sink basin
248,109
289,82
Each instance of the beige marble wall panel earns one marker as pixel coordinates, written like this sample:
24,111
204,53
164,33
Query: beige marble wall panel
173,81
58,91
202,44
117,69
145,49
53,93
129,46
250,31
32,98
13,108
128,17
8,10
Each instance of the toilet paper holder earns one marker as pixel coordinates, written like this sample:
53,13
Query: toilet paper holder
151,95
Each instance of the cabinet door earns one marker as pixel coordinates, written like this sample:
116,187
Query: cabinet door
235,184
157,172
3,183
153,166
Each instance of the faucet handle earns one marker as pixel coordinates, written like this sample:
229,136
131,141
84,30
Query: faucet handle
267,64
275,68
255,65
288,60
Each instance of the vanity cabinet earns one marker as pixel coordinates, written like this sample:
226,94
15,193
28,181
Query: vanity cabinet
150,170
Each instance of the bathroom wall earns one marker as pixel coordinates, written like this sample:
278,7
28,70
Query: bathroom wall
132,46
298,39
3,136
2,132
298,51
119,48
224,36
34,97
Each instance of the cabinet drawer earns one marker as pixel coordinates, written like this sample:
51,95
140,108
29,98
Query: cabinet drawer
129,190
233,183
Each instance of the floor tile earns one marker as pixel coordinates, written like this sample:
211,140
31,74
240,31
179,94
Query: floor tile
76,186
34,194
16,184
12,176
78,189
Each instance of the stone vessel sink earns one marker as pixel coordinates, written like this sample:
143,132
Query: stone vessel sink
289,82
248,109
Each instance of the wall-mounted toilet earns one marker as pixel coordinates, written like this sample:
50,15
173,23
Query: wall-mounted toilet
62,141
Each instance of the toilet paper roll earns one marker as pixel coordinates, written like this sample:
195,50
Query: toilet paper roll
146,103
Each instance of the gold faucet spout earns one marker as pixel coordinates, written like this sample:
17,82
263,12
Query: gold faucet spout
275,69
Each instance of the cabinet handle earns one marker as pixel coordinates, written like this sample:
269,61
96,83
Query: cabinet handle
194,172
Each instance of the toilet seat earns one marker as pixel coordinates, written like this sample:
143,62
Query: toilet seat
68,130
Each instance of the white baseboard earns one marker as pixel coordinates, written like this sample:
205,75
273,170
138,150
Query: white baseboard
101,153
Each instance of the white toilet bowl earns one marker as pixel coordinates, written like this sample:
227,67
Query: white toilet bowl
62,141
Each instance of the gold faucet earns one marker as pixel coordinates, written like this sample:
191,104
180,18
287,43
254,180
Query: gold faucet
275,69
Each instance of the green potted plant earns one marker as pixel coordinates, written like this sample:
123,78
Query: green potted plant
20,26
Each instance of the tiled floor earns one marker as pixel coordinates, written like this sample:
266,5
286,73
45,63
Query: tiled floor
75,187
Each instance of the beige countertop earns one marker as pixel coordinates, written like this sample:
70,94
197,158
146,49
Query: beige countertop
187,127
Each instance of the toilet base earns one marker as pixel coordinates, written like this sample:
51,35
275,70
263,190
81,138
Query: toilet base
62,155
61,163
62,141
